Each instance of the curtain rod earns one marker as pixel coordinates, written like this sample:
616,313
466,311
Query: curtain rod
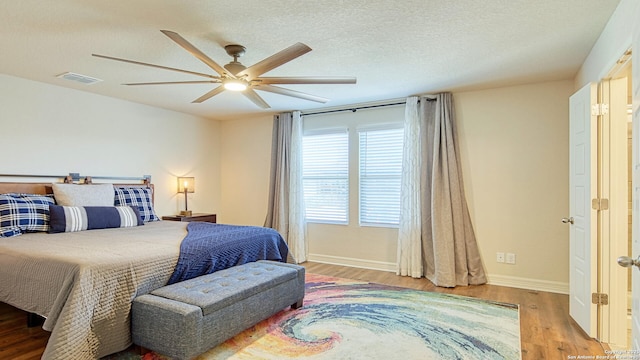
354,109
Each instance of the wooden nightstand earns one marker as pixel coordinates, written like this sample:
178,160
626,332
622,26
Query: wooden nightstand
194,217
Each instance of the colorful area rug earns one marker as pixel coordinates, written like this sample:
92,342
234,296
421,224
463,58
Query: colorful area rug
348,319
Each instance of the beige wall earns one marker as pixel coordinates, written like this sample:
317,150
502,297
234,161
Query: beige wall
244,168
514,152
514,145
47,129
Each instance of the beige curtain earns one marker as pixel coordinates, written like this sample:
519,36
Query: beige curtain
285,211
450,255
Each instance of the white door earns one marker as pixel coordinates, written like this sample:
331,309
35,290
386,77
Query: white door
614,223
582,219
635,274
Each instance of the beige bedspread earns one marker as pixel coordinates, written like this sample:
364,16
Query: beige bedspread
84,282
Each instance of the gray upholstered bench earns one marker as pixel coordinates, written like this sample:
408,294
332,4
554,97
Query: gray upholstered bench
185,319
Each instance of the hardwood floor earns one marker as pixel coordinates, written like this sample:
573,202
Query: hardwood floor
17,341
546,330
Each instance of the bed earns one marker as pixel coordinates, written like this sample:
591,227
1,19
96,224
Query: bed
83,282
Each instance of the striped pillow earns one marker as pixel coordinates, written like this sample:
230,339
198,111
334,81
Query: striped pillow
79,218
24,213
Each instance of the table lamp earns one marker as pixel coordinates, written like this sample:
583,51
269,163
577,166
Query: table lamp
186,185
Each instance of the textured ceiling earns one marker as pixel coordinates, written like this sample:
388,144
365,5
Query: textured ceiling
394,48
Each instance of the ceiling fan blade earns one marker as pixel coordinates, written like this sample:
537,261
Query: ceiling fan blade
305,80
255,98
155,66
174,82
288,92
209,95
275,60
195,52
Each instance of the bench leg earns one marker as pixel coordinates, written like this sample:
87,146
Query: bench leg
297,305
142,350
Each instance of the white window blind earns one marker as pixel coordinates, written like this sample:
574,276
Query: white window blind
380,176
325,177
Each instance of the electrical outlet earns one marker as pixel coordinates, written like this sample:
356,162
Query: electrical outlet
500,257
511,258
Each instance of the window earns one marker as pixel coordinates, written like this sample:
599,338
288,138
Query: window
325,177
380,176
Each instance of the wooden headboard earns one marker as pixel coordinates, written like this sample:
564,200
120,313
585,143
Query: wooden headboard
25,188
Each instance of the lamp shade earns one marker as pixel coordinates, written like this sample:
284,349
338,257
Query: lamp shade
188,183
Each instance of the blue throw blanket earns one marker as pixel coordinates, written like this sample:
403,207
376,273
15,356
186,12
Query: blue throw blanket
211,247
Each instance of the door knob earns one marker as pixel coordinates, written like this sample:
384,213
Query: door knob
568,220
626,261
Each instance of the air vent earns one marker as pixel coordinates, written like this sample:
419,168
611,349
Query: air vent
87,80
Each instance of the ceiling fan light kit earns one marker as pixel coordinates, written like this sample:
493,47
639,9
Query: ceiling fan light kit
235,84
236,77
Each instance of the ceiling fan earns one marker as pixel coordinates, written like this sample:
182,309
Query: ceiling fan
236,77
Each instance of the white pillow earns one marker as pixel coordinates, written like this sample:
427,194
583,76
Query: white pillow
84,195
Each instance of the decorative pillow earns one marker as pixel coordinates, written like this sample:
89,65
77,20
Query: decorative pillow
24,213
78,218
83,195
137,197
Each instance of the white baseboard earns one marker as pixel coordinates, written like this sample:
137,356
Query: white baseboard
529,284
500,280
357,263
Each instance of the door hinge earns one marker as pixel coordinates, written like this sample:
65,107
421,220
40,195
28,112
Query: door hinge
599,109
600,299
600,204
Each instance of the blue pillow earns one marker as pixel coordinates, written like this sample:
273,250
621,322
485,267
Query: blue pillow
24,213
139,198
78,218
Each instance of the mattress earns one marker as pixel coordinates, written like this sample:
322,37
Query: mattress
83,282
